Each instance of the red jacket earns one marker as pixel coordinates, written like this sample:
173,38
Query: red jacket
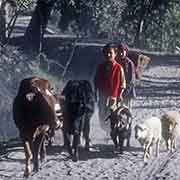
108,78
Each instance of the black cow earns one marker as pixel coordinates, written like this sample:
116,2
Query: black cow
120,121
78,110
34,114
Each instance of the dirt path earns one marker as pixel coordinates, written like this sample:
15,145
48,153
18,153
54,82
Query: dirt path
158,91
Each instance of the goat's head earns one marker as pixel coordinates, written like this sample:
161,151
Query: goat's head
121,118
172,124
171,127
168,125
141,132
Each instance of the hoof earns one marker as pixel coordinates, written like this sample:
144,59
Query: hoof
87,148
36,168
116,146
75,158
70,152
27,172
121,151
42,159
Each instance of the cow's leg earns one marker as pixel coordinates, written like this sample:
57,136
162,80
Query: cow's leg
121,142
128,138
76,142
86,131
113,135
28,157
36,151
128,142
51,134
42,149
67,141
76,137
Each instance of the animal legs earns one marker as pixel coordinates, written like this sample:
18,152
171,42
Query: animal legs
67,141
121,142
76,142
113,135
157,147
86,131
146,151
42,150
28,157
36,151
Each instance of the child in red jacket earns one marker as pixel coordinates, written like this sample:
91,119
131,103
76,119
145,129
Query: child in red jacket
109,84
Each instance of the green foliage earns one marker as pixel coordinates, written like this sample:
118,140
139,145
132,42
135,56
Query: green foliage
107,15
149,24
171,33
141,23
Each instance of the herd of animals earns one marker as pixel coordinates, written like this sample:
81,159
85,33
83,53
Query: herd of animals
38,111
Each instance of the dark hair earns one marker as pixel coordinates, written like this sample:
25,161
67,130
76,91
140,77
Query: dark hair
123,46
109,46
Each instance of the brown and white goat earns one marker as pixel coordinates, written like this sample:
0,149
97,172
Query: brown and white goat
170,124
120,121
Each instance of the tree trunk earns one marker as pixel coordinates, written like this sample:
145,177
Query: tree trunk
2,22
138,36
140,26
36,28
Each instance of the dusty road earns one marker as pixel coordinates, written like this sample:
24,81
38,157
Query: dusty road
158,91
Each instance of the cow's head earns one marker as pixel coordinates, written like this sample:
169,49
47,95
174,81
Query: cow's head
36,87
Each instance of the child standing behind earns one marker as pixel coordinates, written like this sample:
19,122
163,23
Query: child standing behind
109,84
129,72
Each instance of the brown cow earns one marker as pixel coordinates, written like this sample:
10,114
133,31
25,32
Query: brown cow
34,114
140,61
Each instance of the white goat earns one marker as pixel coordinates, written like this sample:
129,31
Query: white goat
170,128
148,133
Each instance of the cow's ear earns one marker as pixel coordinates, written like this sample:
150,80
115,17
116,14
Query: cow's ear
39,90
51,89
